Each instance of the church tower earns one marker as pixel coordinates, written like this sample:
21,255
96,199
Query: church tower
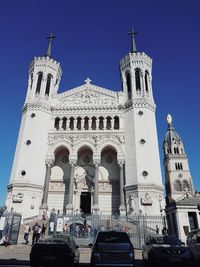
143,185
26,184
178,180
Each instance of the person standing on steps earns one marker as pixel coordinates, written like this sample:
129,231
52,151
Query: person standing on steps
43,229
36,233
26,233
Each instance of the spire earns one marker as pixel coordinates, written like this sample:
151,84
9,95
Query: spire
133,48
50,38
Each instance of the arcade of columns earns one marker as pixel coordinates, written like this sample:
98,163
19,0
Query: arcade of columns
73,163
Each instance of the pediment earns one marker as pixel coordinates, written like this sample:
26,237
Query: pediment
88,95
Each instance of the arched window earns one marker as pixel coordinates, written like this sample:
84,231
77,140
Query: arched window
39,82
31,81
86,123
79,123
48,84
71,124
64,125
101,123
177,186
116,122
108,126
128,83
56,125
94,119
146,77
137,80
185,185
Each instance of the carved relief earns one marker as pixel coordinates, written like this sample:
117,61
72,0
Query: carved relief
57,186
89,97
18,198
146,200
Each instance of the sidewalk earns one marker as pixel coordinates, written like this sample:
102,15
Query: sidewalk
20,253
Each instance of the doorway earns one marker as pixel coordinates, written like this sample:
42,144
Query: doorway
85,205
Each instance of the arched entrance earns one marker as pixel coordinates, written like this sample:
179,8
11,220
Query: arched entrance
109,181
59,180
84,175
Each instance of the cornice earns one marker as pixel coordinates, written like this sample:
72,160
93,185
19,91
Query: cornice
23,185
36,106
140,187
129,105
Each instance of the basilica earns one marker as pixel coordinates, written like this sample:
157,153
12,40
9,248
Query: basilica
88,149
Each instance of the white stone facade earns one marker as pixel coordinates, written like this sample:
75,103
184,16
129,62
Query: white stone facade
89,148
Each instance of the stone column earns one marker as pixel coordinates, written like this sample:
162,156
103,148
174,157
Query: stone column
43,205
104,124
112,123
95,207
60,124
82,124
90,124
97,124
67,124
122,206
75,124
69,207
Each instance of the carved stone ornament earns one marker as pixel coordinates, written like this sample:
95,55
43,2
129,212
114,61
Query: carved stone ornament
57,186
146,200
18,198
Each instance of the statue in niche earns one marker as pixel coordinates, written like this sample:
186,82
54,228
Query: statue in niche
146,200
33,202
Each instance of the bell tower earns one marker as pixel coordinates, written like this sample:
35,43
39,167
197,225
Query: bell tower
178,179
29,164
44,76
136,74
143,185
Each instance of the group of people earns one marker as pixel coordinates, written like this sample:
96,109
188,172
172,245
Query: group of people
38,232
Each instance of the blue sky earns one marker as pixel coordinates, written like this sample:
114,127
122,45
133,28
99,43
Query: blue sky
91,39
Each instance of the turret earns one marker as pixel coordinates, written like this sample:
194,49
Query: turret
136,75
44,77
178,179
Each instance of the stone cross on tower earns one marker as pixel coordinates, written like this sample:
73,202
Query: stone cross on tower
88,81
132,33
50,38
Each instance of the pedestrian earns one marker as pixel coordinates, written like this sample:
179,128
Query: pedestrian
65,228
164,231
26,233
43,229
36,233
157,230
4,241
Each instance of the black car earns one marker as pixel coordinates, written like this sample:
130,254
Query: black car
112,248
55,250
165,249
193,242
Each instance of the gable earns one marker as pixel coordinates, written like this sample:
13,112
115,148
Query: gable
88,95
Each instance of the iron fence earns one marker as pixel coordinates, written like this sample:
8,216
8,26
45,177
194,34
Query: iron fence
79,226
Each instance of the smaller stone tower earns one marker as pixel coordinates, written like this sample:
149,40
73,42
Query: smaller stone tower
178,180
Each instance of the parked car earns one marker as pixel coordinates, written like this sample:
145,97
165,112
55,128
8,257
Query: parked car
112,248
55,250
165,249
193,241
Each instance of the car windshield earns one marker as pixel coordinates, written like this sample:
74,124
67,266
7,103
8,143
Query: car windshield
169,240
112,237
